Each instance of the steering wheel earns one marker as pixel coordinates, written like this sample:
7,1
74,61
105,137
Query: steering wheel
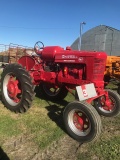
38,47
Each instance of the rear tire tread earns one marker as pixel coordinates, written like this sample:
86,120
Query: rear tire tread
27,88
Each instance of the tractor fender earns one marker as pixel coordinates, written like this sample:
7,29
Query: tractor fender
27,61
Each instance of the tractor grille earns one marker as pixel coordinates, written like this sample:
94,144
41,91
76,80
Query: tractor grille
98,69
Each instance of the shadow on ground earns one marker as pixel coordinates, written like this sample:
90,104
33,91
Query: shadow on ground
55,109
55,113
3,155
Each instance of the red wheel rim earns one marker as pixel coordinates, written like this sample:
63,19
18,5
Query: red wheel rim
79,122
107,105
12,89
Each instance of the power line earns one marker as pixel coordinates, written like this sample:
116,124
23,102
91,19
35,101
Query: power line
14,27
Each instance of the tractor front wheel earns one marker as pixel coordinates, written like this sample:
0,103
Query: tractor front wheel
16,88
112,107
82,121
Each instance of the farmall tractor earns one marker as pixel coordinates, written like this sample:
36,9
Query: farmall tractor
56,71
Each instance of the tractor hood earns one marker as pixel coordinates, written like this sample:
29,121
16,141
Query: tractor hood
58,54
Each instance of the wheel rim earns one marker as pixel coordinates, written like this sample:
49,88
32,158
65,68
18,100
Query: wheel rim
11,89
79,122
108,107
51,90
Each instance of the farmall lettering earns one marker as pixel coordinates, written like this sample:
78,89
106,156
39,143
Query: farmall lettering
69,57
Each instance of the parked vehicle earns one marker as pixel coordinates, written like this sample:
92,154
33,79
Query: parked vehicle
112,71
56,71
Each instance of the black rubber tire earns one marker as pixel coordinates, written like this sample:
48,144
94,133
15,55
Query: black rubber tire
106,80
94,119
24,83
116,99
59,95
118,90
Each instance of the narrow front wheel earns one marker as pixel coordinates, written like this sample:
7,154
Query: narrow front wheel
110,109
82,121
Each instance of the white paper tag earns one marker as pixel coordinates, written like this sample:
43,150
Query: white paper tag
86,91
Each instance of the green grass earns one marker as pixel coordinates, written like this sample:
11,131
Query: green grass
104,150
8,126
43,122
107,147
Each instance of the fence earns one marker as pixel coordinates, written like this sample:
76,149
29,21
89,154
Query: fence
12,52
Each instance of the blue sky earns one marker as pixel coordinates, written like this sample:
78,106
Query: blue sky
54,22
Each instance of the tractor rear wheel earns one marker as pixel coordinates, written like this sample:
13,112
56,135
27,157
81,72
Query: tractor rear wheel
82,121
50,92
16,88
112,108
118,90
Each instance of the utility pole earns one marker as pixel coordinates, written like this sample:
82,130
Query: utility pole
80,37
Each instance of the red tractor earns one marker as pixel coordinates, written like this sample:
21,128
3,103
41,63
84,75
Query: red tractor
57,71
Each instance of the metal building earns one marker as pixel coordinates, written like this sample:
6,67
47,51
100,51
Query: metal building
100,38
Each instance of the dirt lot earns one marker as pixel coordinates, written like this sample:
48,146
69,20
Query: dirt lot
25,149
